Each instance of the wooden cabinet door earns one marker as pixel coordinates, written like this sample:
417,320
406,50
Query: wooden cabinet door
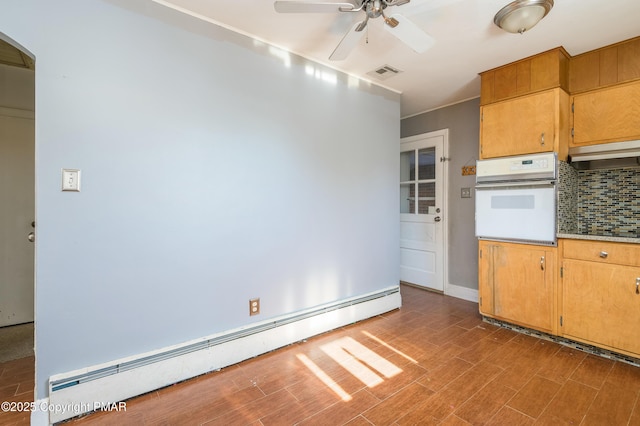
524,125
523,285
607,115
601,305
485,278
516,283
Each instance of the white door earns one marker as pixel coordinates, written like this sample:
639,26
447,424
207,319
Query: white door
422,209
17,199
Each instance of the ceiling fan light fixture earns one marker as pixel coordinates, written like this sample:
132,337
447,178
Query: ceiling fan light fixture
522,15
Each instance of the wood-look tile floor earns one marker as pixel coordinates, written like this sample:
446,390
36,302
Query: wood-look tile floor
433,362
17,379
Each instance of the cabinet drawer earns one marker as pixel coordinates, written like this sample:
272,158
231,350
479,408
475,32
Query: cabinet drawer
600,251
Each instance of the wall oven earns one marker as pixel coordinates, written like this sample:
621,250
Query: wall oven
516,199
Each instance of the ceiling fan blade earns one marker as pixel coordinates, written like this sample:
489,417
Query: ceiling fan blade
348,42
410,34
311,7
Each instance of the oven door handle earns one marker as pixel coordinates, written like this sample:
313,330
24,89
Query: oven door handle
517,184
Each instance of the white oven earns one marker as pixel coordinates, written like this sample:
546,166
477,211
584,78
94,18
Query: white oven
516,199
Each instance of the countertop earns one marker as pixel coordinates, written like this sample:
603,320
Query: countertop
600,238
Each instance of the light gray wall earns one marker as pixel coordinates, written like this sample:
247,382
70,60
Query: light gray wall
463,122
214,170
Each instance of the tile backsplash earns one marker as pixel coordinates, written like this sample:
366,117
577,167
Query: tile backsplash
599,202
567,199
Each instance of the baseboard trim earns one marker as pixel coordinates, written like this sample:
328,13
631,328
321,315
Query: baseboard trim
76,392
40,413
460,292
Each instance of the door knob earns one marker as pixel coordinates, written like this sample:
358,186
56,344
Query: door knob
436,219
31,237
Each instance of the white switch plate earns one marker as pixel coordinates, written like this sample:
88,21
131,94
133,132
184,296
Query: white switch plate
71,180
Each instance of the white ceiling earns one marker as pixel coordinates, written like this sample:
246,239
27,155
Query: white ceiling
467,41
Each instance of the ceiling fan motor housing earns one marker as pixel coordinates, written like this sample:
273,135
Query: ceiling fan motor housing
374,8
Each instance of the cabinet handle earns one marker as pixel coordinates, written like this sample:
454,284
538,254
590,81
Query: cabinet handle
638,285
542,263
604,254
542,139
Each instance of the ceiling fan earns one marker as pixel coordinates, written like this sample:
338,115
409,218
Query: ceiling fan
405,30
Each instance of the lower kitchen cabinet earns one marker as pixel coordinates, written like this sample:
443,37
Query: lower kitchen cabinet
601,294
517,284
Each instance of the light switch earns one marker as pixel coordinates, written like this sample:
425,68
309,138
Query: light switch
71,180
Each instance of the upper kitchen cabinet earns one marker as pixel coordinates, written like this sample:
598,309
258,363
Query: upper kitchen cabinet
524,107
606,115
546,70
614,64
527,124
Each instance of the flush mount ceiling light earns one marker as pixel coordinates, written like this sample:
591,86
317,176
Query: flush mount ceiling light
522,15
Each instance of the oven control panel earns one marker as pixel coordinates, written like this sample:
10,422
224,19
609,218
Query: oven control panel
517,168
531,164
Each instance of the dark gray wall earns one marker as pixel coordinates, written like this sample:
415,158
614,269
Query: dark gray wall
214,170
463,122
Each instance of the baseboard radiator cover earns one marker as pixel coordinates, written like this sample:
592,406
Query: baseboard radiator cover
77,392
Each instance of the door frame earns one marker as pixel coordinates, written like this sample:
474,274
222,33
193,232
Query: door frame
444,133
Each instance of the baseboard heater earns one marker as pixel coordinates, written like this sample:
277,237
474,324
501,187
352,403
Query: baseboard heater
80,391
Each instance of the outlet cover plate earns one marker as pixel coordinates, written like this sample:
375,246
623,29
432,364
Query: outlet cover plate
254,306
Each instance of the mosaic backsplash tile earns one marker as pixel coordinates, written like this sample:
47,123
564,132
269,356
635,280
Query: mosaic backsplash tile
608,202
567,199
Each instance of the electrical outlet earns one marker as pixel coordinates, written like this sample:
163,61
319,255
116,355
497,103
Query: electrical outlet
254,306
465,192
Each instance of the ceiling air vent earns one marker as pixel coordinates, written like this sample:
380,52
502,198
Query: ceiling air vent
384,72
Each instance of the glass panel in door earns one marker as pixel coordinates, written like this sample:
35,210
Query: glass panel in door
427,163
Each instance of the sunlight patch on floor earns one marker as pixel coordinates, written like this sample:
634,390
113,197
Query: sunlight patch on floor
388,346
363,363
324,377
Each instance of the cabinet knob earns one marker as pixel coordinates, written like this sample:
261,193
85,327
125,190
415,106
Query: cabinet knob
604,254
542,139
542,263
638,285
